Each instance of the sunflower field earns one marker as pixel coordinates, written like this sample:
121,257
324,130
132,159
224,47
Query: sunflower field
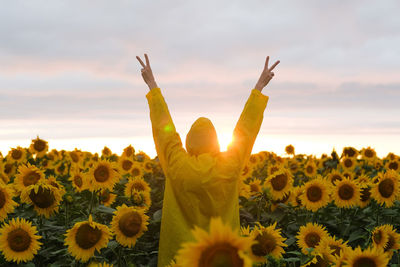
75,208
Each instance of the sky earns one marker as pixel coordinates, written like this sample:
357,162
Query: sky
69,75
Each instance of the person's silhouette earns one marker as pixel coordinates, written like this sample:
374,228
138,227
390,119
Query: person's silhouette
201,182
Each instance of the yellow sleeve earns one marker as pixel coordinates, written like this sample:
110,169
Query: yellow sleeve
248,126
167,141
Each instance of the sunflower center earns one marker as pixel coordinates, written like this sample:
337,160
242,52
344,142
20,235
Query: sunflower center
377,237
19,240
309,169
87,236
390,244
393,165
336,177
368,153
364,262
348,163
266,244
135,172
130,223
101,173
346,192
16,154
312,240
8,168
129,151
254,188
274,169
314,193
279,182
74,157
220,255
127,164
31,178
44,198
138,186
78,181
386,188
350,152
39,145
2,199
336,250
105,196
365,194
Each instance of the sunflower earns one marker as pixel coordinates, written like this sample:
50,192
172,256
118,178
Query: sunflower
107,198
17,155
284,200
61,168
27,175
75,157
272,168
387,188
310,169
9,169
7,204
85,237
295,197
269,242
280,183
316,194
39,147
137,184
255,186
140,199
147,165
289,150
125,165
350,152
334,247
393,242
220,247
78,180
346,193
19,240
368,154
335,176
137,170
102,175
369,257
244,189
365,196
393,165
128,224
44,197
380,236
348,164
310,235
318,259
293,166
129,152
53,182
106,152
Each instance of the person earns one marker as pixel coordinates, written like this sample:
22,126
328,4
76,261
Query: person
201,181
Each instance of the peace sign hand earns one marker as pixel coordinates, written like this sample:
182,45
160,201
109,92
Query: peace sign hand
147,74
266,75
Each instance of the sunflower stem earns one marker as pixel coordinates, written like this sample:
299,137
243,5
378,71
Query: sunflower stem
91,203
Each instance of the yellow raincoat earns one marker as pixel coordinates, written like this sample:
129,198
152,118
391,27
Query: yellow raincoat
203,182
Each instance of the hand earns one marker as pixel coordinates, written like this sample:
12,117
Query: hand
147,74
266,75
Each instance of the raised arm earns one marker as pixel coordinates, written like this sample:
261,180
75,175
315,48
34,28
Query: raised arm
248,126
167,141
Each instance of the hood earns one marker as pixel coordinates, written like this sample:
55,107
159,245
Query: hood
202,138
